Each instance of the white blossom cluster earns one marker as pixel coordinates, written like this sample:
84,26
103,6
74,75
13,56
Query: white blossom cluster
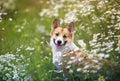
73,10
81,61
100,44
13,67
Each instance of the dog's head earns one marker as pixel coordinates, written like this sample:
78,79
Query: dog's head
61,37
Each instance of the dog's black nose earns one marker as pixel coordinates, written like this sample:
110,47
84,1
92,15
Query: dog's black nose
59,42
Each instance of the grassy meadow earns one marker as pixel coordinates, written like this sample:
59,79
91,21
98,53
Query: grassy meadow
25,53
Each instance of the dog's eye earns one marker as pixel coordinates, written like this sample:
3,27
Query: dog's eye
57,34
64,36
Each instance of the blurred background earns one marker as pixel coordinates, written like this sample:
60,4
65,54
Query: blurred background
25,54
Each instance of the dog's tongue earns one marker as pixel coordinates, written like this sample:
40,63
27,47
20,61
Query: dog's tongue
58,46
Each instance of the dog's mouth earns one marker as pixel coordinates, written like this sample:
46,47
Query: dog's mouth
59,45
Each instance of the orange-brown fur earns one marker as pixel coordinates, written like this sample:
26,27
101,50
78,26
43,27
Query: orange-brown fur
63,32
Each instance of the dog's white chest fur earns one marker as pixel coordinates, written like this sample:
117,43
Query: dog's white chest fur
58,54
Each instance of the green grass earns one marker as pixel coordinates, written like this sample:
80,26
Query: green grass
27,34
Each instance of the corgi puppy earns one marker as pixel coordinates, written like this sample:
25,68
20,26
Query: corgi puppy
67,55
61,40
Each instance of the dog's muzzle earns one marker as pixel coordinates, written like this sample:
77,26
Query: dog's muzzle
59,43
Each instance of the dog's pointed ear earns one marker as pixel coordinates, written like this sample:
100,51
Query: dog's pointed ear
71,27
56,23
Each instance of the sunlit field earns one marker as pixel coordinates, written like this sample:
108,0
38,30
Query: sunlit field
25,52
